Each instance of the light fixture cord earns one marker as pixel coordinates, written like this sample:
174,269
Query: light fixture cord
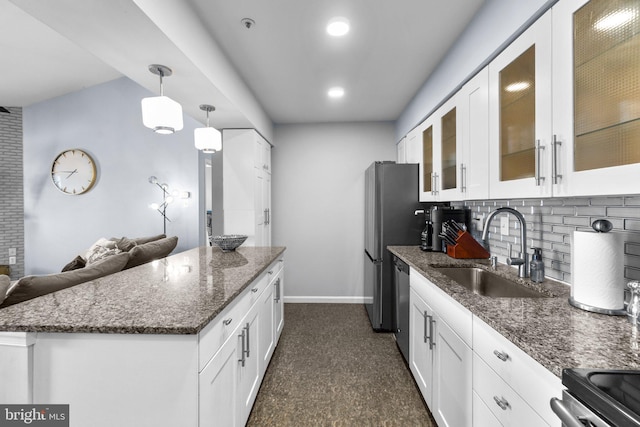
161,87
207,117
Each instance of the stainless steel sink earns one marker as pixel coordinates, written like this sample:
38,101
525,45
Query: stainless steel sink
486,283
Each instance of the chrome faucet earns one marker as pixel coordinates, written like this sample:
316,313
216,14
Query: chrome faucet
523,261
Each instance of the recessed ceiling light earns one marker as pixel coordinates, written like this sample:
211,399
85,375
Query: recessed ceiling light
336,92
338,26
615,19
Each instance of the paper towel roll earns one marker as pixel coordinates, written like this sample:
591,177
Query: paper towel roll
597,269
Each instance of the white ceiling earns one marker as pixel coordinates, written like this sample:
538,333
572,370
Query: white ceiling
286,60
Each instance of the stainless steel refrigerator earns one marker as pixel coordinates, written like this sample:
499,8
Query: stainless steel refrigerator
391,199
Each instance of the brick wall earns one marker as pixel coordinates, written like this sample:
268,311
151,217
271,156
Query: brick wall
551,221
11,185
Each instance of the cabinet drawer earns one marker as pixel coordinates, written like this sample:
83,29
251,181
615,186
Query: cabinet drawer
533,382
257,287
494,392
482,415
216,333
274,269
457,317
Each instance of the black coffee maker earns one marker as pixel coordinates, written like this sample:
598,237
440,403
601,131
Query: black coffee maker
434,218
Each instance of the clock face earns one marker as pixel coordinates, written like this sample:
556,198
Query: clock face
73,172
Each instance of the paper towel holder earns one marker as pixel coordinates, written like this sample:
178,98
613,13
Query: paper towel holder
600,226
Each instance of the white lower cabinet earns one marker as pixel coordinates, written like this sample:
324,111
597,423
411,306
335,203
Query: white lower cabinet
439,358
219,388
452,399
482,416
230,380
503,402
527,385
468,373
420,352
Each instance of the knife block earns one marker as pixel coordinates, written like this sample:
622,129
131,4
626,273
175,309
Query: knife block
467,247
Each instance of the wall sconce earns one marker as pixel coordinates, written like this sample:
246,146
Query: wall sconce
161,113
207,139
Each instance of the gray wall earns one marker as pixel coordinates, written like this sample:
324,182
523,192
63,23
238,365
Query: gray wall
105,120
492,26
318,205
11,206
550,223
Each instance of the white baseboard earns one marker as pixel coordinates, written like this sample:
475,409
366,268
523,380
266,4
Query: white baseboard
328,300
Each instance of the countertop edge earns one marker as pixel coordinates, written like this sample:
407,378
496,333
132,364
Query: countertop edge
136,329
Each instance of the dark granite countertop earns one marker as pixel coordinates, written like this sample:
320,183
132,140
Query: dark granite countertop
179,294
551,331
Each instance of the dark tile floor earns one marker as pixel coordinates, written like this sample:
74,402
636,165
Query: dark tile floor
331,369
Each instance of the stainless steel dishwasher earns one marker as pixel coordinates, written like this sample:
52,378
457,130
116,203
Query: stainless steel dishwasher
401,282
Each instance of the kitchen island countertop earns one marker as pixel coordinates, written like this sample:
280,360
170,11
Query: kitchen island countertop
179,294
549,330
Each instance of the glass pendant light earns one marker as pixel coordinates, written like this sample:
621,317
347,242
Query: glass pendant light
207,139
161,113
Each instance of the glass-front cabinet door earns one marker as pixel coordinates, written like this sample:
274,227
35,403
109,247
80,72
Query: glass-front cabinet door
430,175
520,115
596,96
450,164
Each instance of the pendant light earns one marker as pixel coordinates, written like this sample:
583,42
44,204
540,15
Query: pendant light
161,113
207,139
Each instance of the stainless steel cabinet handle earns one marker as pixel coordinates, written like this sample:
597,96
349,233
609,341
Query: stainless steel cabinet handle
538,178
277,284
501,402
565,415
433,185
242,336
432,329
247,327
554,160
463,178
501,355
227,322
425,317
435,180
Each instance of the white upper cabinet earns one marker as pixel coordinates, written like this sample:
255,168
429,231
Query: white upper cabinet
520,134
247,185
448,164
454,164
429,138
413,149
596,100
474,117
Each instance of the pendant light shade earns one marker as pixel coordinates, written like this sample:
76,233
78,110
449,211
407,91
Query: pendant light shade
161,113
207,139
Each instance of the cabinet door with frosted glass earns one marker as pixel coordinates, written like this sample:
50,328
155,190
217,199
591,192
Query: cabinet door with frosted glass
596,85
520,115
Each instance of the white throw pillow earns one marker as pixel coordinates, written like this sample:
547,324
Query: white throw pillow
101,249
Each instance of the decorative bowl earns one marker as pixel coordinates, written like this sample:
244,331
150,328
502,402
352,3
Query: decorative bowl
229,242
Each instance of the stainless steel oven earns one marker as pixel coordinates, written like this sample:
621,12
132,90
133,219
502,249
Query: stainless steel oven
573,413
599,398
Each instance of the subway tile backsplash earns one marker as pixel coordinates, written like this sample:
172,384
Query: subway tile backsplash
550,223
12,205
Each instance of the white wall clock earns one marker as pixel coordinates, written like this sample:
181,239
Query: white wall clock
73,172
